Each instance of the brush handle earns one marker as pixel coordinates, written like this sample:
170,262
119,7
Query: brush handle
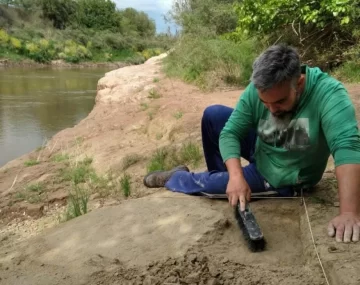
250,223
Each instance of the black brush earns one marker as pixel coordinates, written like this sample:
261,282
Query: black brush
250,229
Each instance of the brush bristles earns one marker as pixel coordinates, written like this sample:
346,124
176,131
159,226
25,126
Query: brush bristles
253,245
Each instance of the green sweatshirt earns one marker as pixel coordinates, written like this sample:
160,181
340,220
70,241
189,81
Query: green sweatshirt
323,124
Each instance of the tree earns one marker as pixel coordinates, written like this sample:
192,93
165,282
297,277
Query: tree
7,2
204,16
60,12
139,22
265,16
25,4
97,14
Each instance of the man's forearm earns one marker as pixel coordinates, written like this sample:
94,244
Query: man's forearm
234,168
348,177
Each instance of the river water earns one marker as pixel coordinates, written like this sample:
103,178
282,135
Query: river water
36,103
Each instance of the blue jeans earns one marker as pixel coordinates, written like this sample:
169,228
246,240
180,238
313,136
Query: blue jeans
215,180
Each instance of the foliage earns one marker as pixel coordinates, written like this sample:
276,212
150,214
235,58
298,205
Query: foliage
7,2
60,157
15,43
132,20
350,70
166,158
58,11
4,37
158,161
204,17
321,30
77,203
79,173
190,152
130,160
96,14
210,62
31,162
32,193
148,53
125,183
266,16
76,31
25,4
74,52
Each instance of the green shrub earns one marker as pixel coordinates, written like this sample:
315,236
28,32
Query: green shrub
125,183
15,44
73,52
4,38
77,203
212,62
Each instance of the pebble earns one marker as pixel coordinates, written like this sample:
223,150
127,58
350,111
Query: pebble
228,275
192,278
172,279
214,271
192,257
212,281
147,280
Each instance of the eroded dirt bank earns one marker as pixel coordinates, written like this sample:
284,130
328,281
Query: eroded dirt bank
152,236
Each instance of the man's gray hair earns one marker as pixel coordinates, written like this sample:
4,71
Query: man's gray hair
277,64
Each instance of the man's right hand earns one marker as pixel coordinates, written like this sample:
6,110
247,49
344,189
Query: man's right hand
238,190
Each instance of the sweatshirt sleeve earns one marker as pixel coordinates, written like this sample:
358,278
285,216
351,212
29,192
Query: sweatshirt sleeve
237,127
340,127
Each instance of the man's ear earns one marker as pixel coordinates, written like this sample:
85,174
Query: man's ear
300,82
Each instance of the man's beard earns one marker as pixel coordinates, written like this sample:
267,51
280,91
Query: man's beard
281,122
283,118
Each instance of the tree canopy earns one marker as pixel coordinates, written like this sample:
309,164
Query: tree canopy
91,14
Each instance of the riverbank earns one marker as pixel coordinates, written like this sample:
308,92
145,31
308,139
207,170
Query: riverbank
62,64
143,120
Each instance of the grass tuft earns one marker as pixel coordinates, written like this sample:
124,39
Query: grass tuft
158,160
125,183
77,203
178,115
151,115
190,153
144,106
32,193
168,157
154,94
79,172
36,187
349,72
31,162
60,157
130,160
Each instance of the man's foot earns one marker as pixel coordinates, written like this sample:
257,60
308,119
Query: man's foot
157,179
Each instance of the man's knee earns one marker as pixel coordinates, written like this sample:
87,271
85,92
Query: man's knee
212,112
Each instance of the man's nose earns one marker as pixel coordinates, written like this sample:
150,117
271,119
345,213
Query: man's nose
272,108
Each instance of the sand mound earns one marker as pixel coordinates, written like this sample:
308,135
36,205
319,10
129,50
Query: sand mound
160,239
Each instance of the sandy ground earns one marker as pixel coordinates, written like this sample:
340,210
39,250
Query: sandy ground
155,236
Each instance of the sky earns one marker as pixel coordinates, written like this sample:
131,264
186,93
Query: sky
154,8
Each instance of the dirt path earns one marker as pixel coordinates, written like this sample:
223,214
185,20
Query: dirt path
147,238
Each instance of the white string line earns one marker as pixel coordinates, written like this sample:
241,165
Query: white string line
313,240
